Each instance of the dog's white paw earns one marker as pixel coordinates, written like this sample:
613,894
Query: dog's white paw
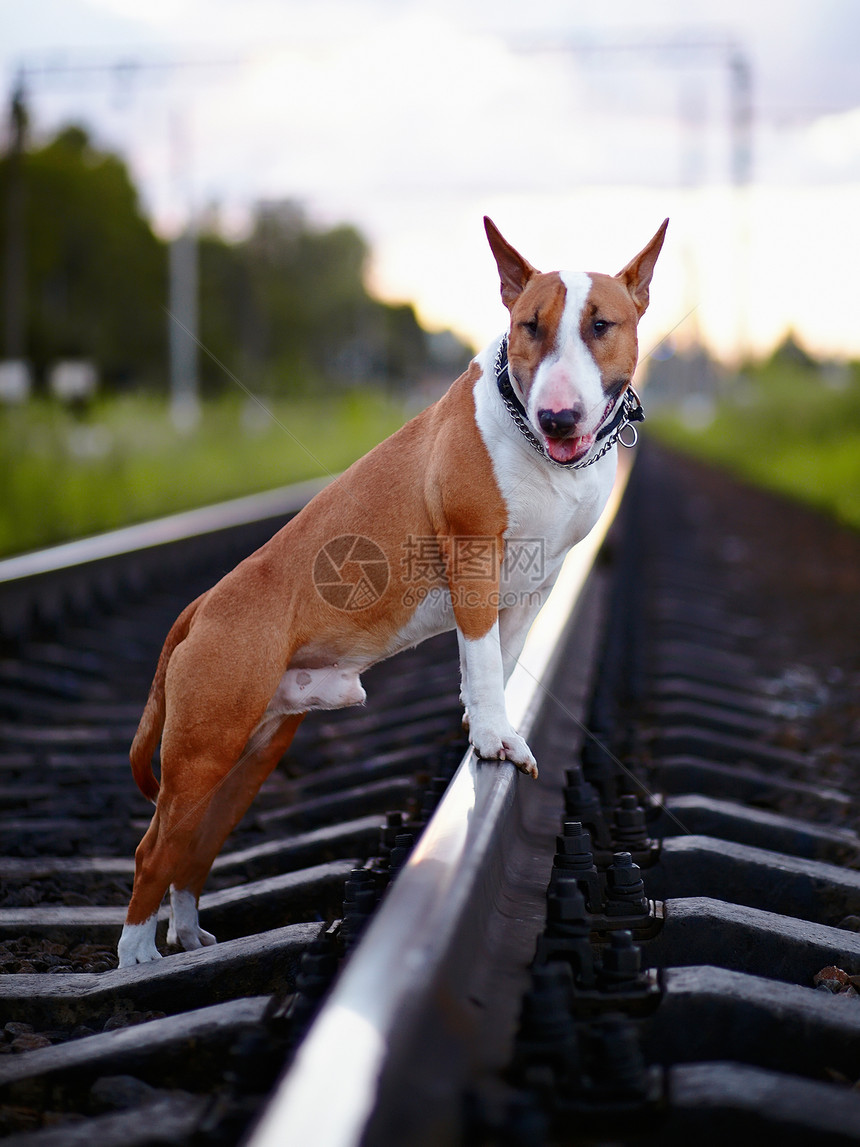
184,930
137,944
508,745
189,939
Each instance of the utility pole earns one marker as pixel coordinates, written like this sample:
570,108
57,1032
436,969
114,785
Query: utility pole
183,299
182,302
15,263
182,330
741,113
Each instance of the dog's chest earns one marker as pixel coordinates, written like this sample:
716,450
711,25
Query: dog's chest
560,510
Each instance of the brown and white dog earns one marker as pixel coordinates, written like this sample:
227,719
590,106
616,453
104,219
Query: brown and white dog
416,538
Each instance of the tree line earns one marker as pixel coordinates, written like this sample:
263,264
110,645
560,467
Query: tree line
285,308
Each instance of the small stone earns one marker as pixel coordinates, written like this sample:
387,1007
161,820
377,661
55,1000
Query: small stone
87,951
14,1028
129,1019
30,1042
831,973
120,1092
833,986
116,1022
836,1076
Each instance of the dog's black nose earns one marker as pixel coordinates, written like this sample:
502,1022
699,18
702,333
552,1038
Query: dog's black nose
559,423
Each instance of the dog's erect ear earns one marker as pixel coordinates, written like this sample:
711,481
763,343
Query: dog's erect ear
636,276
514,270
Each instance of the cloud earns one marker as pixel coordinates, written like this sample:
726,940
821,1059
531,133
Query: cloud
414,118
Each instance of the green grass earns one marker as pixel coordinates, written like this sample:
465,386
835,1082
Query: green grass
64,476
785,427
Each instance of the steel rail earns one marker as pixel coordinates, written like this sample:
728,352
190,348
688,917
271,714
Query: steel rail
420,941
160,531
45,579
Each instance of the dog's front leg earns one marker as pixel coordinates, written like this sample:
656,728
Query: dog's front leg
514,625
473,565
464,686
483,686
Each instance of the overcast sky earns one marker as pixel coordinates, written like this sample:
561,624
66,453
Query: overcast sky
578,131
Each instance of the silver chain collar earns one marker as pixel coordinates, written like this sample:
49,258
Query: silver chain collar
631,404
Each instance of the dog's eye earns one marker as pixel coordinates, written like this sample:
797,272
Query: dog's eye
601,326
531,325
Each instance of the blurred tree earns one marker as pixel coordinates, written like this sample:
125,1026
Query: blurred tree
283,309
95,272
292,299
791,352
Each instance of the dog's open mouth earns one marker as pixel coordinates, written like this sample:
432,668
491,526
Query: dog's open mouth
575,447
568,449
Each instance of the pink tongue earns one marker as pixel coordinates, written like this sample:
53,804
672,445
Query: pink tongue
567,449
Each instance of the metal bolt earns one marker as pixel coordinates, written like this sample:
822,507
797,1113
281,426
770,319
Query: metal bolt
400,852
625,888
388,832
547,1005
622,961
316,972
629,825
359,901
358,878
547,1038
598,765
623,873
432,795
581,803
574,858
617,1063
316,969
578,791
567,914
573,847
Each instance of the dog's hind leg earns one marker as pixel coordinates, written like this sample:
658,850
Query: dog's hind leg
187,831
226,808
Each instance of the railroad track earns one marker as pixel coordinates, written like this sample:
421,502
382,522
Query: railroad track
419,947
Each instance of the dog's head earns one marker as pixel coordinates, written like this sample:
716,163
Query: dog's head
572,347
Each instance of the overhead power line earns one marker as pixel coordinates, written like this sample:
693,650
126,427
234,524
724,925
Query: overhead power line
670,55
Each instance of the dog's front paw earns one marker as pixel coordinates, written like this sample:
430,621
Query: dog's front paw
137,944
506,745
